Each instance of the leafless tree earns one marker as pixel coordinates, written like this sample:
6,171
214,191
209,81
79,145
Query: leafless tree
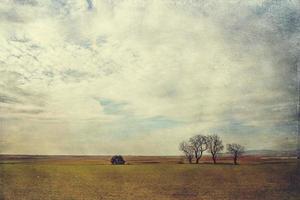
199,144
236,150
188,151
214,144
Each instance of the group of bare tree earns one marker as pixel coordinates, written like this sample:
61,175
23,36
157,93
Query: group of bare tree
198,144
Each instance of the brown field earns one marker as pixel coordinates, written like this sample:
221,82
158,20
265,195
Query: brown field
147,178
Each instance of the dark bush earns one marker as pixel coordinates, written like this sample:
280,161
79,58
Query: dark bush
117,160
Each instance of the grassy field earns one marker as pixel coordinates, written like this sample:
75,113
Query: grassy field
91,178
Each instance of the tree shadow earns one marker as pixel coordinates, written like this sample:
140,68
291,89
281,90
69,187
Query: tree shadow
218,163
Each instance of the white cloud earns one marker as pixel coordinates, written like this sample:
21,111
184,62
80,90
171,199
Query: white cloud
195,64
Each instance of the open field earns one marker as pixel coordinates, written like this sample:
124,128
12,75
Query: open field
79,177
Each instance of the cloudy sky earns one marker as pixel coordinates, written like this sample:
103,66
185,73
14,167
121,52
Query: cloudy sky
139,76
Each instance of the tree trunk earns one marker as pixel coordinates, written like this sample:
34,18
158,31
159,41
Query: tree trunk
235,159
197,159
190,160
214,159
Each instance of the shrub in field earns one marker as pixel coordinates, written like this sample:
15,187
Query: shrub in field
117,160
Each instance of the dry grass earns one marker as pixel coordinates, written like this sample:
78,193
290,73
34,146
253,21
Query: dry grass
88,178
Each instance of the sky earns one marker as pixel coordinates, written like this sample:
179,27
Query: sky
137,77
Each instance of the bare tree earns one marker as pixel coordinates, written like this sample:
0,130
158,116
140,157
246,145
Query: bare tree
214,144
199,144
236,150
188,151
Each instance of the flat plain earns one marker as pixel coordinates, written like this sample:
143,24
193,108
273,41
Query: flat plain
147,178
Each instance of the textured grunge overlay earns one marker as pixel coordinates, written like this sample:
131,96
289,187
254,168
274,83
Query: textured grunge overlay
77,76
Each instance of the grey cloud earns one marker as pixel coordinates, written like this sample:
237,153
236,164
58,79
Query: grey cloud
8,99
26,2
73,75
12,93
90,4
22,39
13,110
11,16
